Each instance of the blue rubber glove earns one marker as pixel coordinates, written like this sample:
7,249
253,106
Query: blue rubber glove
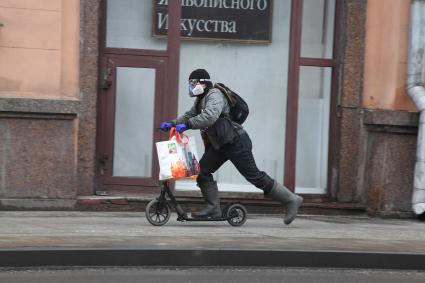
181,128
166,126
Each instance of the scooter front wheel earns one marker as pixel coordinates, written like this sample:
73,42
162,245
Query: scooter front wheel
236,214
158,212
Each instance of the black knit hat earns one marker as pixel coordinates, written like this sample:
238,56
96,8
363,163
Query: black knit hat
199,74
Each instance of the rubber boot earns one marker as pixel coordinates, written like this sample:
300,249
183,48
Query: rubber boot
210,192
290,200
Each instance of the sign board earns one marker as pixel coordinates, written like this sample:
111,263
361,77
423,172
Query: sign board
230,20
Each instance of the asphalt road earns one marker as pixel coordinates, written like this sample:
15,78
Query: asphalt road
210,275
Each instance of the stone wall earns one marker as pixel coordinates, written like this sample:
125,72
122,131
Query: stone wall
376,148
47,147
389,161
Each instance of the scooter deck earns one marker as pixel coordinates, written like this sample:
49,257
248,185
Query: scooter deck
185,218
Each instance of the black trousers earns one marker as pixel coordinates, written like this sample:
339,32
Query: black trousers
240,154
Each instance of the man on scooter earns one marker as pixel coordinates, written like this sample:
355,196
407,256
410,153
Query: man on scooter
225,140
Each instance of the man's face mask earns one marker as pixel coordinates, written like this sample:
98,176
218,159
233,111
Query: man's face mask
195,88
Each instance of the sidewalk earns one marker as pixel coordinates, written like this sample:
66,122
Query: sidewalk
126,238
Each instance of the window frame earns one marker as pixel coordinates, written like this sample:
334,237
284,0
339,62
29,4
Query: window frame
294,65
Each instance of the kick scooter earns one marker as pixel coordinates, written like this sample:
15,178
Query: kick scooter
158,211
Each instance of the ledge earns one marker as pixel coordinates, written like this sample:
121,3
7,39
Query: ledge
30,105
256,206
390,118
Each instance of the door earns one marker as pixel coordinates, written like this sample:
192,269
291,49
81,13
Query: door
133,104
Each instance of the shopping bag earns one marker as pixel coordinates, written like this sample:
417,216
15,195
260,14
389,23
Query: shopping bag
178,157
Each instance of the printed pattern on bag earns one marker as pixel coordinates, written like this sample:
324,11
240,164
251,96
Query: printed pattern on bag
178,169
178,158
189,167
172,148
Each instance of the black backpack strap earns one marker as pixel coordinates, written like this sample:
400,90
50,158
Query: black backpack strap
226,91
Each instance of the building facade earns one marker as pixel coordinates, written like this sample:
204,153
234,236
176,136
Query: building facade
85,84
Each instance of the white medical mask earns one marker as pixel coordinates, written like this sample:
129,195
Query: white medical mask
195,90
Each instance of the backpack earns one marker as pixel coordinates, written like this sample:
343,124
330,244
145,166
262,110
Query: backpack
238,107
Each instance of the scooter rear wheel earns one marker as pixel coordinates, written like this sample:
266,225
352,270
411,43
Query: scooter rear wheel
236,214
157,212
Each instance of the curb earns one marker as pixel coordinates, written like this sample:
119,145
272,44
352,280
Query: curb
210,257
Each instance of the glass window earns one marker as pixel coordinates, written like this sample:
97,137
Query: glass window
318,28
128,25
258,72
134,114
313,130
